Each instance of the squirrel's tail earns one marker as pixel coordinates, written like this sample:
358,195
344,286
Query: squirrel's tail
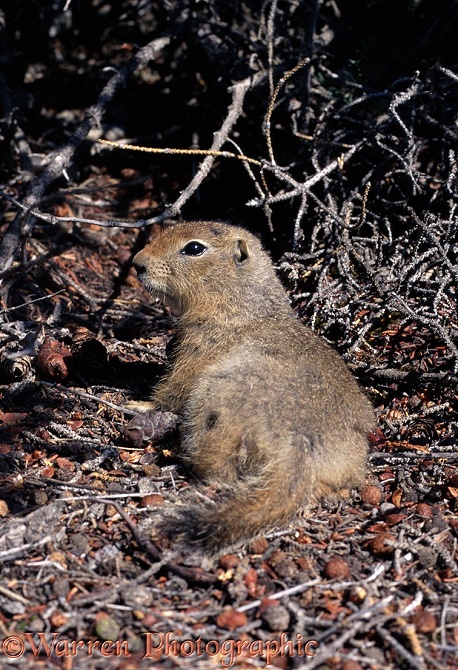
238,513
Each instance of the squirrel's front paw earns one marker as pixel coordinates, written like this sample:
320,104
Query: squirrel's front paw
150,426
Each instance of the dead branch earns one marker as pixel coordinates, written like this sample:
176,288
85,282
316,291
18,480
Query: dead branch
239,91
59,160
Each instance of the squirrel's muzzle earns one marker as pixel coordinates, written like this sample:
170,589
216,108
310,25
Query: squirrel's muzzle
139,266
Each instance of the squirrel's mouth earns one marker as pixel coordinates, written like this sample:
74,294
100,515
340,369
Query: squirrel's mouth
171,302
163,295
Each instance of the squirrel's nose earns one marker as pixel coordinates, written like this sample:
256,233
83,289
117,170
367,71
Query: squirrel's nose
141,269
139,265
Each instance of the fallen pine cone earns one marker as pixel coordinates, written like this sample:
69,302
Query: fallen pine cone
336,568
89,354
52,360
371,494
424,621
382,544
14,368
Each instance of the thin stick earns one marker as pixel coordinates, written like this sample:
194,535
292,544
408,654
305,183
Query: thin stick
88,396
29,302
180,152
293,590
273,99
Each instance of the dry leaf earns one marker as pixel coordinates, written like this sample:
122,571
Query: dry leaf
230,619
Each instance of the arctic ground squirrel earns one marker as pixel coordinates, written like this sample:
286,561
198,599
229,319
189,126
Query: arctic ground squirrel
271,416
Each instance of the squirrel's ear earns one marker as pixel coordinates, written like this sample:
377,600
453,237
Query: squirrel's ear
241,253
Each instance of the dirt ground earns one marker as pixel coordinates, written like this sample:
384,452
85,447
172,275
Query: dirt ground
352,186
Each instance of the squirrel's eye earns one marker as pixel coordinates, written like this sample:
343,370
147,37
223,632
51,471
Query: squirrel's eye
193,249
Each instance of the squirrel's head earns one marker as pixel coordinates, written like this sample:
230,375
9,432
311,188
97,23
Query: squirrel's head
199,264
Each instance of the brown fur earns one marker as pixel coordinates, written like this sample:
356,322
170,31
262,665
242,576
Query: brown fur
270,412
